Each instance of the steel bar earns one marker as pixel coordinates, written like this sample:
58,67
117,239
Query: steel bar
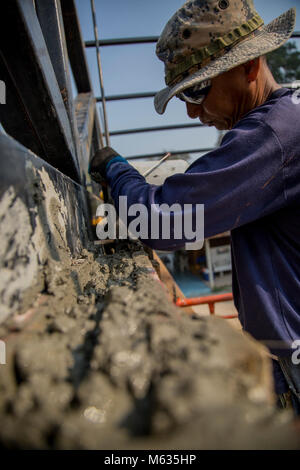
178,152
151,94
100,72
148,172
155,129
128,96
123,41
140,40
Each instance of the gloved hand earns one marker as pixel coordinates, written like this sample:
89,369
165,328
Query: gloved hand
101,161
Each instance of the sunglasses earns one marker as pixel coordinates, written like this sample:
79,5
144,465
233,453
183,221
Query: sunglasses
195,94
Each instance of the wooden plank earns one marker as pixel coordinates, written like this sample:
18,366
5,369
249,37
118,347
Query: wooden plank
220,235
168,280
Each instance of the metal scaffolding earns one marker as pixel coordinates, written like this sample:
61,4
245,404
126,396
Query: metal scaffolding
130,96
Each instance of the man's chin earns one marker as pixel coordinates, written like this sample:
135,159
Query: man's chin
221,126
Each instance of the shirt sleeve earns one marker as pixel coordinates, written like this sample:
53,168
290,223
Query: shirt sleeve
239,182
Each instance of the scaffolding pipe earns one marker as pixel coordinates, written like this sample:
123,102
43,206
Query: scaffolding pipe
128,96
151,94
156,128
123,41
142,40
210,300
100,73
204,300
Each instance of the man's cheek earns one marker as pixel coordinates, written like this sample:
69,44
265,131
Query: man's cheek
211,111
206,109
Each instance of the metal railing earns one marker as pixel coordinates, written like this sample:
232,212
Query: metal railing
139,40
130,96
169,127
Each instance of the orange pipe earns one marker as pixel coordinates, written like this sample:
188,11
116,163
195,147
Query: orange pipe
229,317
210,300
96,220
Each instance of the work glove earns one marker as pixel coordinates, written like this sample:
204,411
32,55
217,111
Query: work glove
101,161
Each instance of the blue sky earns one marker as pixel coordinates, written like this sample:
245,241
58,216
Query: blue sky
135,68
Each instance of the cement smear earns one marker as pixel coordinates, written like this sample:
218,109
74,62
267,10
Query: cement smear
36,228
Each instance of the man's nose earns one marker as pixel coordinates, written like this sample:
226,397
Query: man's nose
193,110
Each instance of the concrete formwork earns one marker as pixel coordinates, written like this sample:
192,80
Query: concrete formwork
43,219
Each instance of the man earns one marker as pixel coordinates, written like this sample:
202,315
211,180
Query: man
214,52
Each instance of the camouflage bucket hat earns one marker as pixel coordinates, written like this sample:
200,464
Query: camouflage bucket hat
206,38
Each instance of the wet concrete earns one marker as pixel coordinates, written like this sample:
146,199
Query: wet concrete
106,361
98,357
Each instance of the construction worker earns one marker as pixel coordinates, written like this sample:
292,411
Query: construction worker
214,56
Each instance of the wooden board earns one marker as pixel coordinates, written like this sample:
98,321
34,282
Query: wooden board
168,280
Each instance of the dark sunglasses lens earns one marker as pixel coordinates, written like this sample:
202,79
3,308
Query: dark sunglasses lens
195,95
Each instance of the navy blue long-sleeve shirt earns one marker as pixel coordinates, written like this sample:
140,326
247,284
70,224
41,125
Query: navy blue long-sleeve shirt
250,186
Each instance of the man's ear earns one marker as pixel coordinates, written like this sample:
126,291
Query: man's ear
252,68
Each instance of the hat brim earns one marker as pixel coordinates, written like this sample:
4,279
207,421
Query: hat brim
270,37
